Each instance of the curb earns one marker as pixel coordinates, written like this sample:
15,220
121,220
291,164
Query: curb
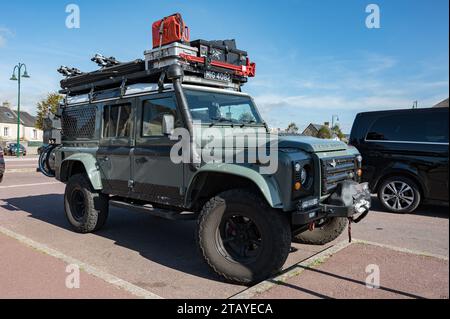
400,249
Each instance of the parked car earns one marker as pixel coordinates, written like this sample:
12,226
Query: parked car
11,149
405,156
2,164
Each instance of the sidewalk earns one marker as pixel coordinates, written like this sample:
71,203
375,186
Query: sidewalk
29,273
343,275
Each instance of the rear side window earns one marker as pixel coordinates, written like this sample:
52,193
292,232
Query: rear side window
117,121
428,127
153,111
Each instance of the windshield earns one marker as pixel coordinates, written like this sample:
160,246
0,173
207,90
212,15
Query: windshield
212,107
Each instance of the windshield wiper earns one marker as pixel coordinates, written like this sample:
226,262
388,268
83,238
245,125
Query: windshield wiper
243,123
220,120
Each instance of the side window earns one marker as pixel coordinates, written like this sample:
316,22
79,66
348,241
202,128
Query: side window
152,114
117,121
414,127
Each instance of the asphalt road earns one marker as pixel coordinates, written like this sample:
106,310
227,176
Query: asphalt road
159,255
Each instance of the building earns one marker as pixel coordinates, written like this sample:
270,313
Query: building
313,129
8,126
443,103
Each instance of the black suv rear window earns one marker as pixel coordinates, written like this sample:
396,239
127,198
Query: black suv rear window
427,127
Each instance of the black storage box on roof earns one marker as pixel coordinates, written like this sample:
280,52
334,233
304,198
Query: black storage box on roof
221,50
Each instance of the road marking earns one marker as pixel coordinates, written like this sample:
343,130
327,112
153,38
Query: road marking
28,185
400,249
21,170
21,160
113,280
20,165
290,272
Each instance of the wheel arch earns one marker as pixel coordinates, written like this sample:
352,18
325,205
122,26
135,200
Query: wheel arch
81,163
212,179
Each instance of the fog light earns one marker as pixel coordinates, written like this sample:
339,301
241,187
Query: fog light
297,186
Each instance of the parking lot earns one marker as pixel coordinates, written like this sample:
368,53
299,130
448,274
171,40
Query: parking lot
150,257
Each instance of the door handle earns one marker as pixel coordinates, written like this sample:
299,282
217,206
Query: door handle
141,160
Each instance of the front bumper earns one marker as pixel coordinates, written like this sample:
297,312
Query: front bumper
347,202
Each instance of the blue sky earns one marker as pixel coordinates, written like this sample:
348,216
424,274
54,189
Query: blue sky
314,58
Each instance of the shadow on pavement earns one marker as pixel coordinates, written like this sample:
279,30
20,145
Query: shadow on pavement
326,273
166,242
423,210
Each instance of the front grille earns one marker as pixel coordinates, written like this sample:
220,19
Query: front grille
78,122
336,170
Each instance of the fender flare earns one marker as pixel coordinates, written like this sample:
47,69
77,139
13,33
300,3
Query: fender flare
89,163
265,183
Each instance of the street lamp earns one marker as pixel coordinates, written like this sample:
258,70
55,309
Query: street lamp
17,77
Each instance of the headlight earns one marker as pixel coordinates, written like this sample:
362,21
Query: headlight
297,167
359,158
303,176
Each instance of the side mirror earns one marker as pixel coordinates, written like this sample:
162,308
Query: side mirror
168,124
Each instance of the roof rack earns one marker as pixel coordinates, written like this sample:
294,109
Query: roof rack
209,63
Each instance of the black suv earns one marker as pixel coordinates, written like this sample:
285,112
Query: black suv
405,156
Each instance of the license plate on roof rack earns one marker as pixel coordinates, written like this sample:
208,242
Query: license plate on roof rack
217,76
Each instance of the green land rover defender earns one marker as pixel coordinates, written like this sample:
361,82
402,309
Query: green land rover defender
116,149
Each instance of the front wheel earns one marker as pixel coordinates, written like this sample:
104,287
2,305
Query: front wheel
326,230
241,238
86,210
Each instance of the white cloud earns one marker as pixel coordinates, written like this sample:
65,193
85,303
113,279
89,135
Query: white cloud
4,34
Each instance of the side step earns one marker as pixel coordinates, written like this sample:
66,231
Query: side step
166,214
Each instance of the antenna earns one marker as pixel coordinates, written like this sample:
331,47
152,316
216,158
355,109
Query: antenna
103,61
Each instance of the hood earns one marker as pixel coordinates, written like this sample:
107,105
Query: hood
311,144
304,143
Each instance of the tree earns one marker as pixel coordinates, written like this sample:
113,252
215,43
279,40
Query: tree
246,117
324,132
337,131
292,128
47,106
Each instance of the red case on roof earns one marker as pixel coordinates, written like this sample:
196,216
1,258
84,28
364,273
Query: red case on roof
168,30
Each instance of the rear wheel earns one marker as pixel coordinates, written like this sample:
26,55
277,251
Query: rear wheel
399,194
241,238
86,210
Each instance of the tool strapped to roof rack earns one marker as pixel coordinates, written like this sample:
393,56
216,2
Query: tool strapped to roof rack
248,69
103,61
66,71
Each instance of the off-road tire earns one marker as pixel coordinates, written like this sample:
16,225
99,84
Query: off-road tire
273,227
415,192
324,234
95,205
